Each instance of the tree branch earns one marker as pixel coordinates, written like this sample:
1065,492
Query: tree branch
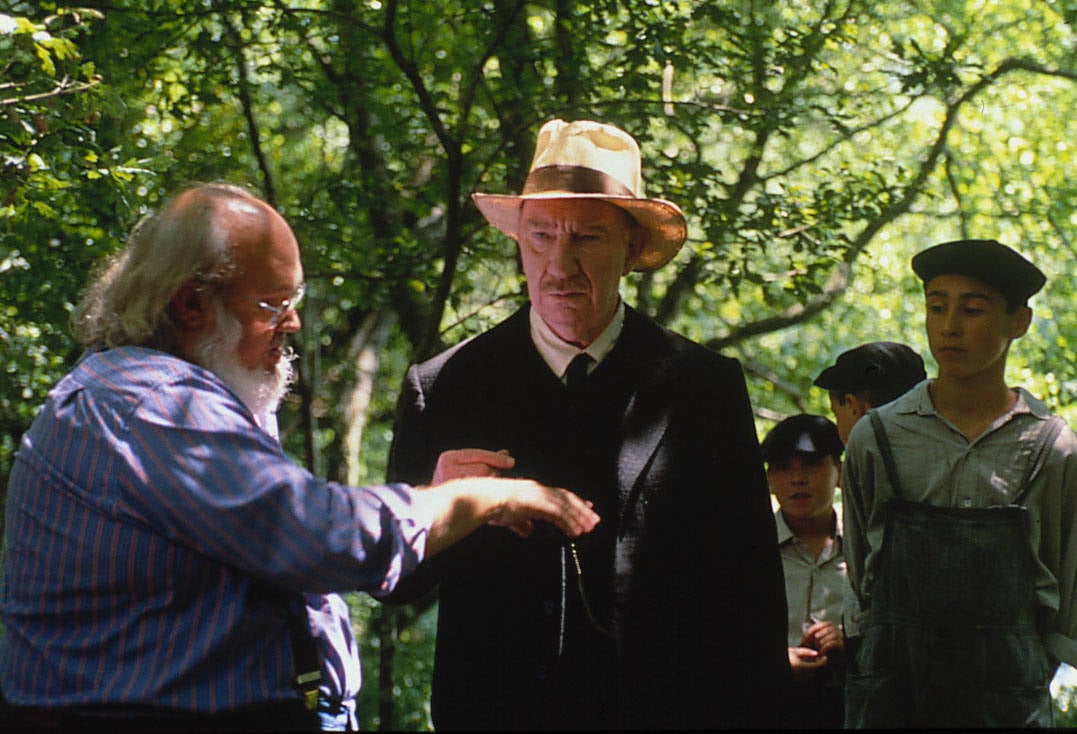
841,277
243,91
61,90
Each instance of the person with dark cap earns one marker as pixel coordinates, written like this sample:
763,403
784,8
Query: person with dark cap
862,378
803,458
960,502
866,377
673,616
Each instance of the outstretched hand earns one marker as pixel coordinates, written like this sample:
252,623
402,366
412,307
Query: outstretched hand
459,506
527,501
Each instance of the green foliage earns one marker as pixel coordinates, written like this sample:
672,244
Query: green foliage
813,146
61,193
1066,708
414,637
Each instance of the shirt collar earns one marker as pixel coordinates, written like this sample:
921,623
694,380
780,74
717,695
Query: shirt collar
918,400
557,353
785,534
268,422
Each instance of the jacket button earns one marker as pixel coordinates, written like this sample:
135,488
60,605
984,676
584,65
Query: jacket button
548,606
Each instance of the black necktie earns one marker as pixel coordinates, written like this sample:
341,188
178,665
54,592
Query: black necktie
577,371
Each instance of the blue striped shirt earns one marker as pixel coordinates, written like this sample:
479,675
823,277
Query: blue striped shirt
150,527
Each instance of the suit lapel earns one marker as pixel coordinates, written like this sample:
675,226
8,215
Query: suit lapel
645,432
648,414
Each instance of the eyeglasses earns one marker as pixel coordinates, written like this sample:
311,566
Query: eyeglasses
277,313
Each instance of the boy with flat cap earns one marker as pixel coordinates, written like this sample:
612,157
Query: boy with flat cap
860,379
960,501
866,377
803,458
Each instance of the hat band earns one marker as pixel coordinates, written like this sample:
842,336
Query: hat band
577,179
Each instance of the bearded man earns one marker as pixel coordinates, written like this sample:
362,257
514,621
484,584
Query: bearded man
168,568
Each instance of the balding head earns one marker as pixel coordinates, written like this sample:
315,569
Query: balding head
188,238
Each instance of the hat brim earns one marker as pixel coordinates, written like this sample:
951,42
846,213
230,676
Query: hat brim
663,219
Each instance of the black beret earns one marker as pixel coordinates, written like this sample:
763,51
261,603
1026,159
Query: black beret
873,366
988,261
802,434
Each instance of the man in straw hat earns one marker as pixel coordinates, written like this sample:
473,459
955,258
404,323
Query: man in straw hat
960,509
672,614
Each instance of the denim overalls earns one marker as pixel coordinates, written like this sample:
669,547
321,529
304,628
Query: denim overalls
951,639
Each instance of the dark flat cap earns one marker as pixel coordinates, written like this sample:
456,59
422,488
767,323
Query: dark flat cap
991,262
802,434
874,366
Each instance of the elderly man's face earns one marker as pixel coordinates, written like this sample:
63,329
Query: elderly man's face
239,339
268,270
574,253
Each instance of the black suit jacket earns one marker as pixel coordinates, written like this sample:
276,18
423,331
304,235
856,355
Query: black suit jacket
690,581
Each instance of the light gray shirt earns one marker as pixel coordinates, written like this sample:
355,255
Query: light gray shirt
813,586
938,466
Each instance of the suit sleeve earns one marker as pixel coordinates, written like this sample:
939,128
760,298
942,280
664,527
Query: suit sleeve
409,455
749,517
710,567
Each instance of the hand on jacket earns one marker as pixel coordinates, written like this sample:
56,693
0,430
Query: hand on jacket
461,463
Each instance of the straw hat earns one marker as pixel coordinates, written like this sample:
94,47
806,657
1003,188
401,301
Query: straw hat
591,160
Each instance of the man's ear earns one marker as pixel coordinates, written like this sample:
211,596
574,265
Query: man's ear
190,306
1022,318
638,237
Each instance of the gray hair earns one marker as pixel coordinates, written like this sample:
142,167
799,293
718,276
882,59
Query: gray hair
127,301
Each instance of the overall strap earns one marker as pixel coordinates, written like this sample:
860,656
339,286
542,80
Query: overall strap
1048,434
887,455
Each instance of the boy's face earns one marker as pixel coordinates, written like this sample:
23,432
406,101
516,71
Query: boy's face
968,327
804,485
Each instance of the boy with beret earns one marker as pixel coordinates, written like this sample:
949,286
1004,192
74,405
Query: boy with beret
960,502
866,377
803,458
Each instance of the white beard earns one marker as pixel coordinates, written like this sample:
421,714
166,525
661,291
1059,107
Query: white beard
260,390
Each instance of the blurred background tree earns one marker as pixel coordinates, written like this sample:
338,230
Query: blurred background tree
814,146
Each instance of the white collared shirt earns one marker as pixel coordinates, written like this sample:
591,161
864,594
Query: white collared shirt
814,587
557,353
